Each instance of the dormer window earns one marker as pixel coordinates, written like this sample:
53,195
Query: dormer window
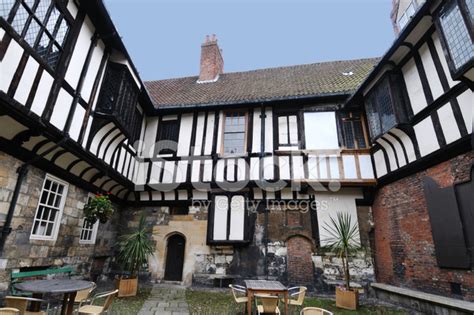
456,23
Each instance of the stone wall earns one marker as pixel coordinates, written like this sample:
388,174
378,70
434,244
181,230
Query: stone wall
21,252
405,252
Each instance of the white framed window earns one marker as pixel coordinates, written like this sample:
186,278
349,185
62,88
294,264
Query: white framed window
407,15
228,219
50,209
88,232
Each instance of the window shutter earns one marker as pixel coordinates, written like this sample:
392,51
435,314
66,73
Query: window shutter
446,226
464,194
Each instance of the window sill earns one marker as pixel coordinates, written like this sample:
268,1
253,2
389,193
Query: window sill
42,238
87,242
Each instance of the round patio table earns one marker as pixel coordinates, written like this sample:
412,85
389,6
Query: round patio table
68,287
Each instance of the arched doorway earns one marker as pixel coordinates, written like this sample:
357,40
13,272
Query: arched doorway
300,263
175,257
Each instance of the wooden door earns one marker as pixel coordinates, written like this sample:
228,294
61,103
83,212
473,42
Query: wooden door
175,258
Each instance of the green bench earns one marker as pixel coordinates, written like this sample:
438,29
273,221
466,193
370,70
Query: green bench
17,277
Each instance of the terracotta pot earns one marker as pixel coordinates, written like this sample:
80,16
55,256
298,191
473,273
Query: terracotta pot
347,299
127,287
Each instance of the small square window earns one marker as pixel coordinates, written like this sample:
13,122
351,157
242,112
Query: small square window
88,232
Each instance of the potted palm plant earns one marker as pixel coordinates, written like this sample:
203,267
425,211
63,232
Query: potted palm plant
343,241
134,249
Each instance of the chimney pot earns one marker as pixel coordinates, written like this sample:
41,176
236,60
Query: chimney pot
212,63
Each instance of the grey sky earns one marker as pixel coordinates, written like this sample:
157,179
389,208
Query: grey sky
164,36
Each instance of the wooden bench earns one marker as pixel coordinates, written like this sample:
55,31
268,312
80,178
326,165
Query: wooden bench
17,277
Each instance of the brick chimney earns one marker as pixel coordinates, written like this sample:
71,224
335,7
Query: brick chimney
212,63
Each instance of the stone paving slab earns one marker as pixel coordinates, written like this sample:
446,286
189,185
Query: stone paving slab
166,300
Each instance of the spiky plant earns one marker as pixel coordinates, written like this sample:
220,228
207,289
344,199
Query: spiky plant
342,240
134,248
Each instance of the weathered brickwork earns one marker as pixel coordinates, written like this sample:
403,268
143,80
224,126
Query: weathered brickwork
300,264
21,252
404,249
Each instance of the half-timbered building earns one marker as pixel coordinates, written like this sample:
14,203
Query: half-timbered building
239,173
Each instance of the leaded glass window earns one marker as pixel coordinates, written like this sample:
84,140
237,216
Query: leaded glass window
456,34
41,24
353,131
234,133
379,106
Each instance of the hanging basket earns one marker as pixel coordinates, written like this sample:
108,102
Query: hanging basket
99,208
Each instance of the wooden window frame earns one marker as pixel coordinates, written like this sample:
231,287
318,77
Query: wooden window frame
162,121
246,124
93,230
364,131
399,102
60,209
455,73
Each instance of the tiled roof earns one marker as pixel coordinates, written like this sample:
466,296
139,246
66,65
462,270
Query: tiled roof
317,79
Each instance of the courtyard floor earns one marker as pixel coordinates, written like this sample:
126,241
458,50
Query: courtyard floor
175,300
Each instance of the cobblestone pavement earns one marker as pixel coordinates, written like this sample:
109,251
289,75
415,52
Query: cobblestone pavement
166,300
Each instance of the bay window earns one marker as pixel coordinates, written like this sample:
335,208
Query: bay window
456,22
385,105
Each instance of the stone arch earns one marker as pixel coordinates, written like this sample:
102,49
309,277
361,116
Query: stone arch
299,260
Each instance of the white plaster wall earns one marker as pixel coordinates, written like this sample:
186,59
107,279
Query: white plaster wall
380,167
91,74
80,52
26,81
9,64
431,72
466,101
426,136
448,123
61,109
414,87
76,123
42,93
329,204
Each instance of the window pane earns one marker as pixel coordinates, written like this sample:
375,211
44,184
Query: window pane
234,133
461,47
5,8
372,116
283,130
220,217
20,19
32,32
384,102
348,134
53,19
42,9
321,130
237,218
53,56
293,126
470,8
62,32
359,134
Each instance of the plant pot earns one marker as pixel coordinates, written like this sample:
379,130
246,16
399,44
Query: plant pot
347,299
127,286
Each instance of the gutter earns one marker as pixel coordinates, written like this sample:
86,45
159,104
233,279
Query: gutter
22,172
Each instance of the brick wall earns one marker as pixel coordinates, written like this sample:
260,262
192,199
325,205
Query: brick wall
21,252
300,263
404,249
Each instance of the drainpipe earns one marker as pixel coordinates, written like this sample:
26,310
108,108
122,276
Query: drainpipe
262,153
22,172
